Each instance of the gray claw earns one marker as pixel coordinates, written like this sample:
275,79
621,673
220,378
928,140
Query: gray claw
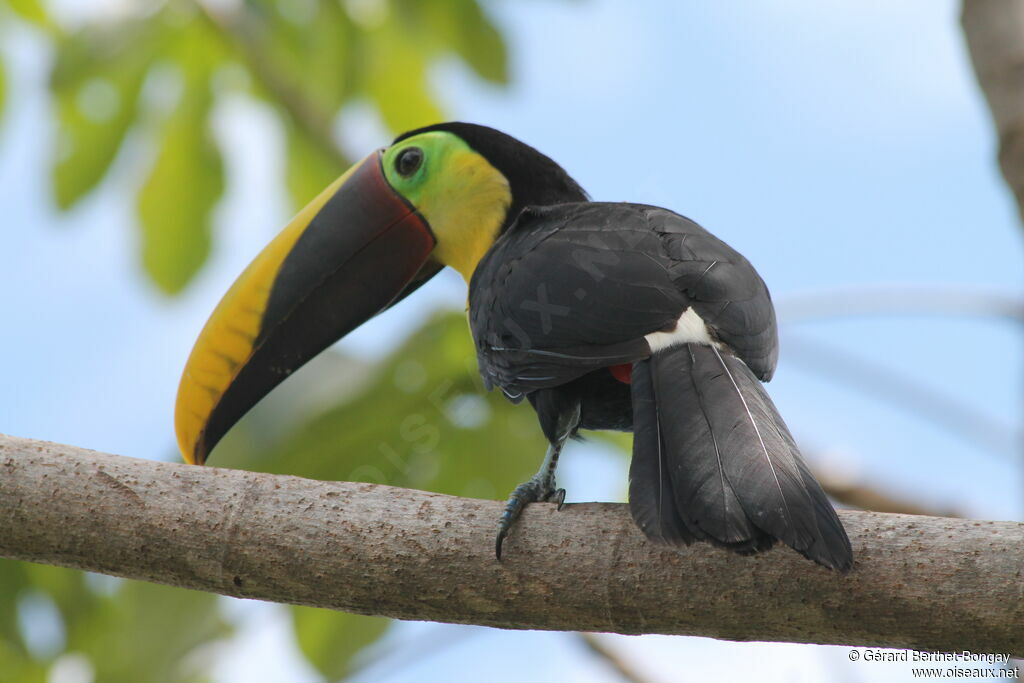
532,491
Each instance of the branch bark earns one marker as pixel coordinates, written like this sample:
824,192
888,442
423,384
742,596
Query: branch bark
995,39
919,582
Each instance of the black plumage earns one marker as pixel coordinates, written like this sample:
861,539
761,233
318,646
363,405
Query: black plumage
571,289
576,286
714,461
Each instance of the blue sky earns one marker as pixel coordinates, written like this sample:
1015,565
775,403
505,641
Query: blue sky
837,145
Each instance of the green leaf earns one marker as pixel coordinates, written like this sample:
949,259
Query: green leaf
96,81
309,47
163,626
459,26
330,640
176,201
462,26
18,667
33,11
395,78
420,419
67,589
3,88
195,45
145,633
14,582
480,43
309,170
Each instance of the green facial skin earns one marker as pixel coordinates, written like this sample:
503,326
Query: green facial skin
438,149
458,192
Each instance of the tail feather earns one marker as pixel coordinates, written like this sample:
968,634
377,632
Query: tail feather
651,495
718,449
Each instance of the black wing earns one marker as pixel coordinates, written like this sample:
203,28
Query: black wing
574,287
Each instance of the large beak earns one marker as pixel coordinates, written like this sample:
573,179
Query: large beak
357,248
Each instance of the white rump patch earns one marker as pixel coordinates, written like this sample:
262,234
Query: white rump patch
689,329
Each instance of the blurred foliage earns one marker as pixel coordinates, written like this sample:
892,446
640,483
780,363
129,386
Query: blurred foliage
177,198
129,632
31,11
418,419
331,640
155,71
148,77
3,88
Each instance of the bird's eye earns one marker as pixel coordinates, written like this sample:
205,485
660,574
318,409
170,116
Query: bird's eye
408,160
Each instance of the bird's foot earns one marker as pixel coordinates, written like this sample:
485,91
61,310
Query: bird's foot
539,489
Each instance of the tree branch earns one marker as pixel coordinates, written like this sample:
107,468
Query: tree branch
919,582
995,39
614,662
862,495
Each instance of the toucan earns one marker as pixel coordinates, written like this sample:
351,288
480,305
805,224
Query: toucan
604,316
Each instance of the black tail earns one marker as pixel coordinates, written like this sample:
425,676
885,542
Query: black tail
713,461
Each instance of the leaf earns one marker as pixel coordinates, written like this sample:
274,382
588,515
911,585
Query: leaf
33,11
309,169
96,81
176,201
480,43
464,28
421,419
330,640
18,667
178,196
459,26
66,587
418,419
145,633
14,582
306,46
395,78
3,88
163,625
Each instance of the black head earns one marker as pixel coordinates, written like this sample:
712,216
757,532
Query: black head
534,178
